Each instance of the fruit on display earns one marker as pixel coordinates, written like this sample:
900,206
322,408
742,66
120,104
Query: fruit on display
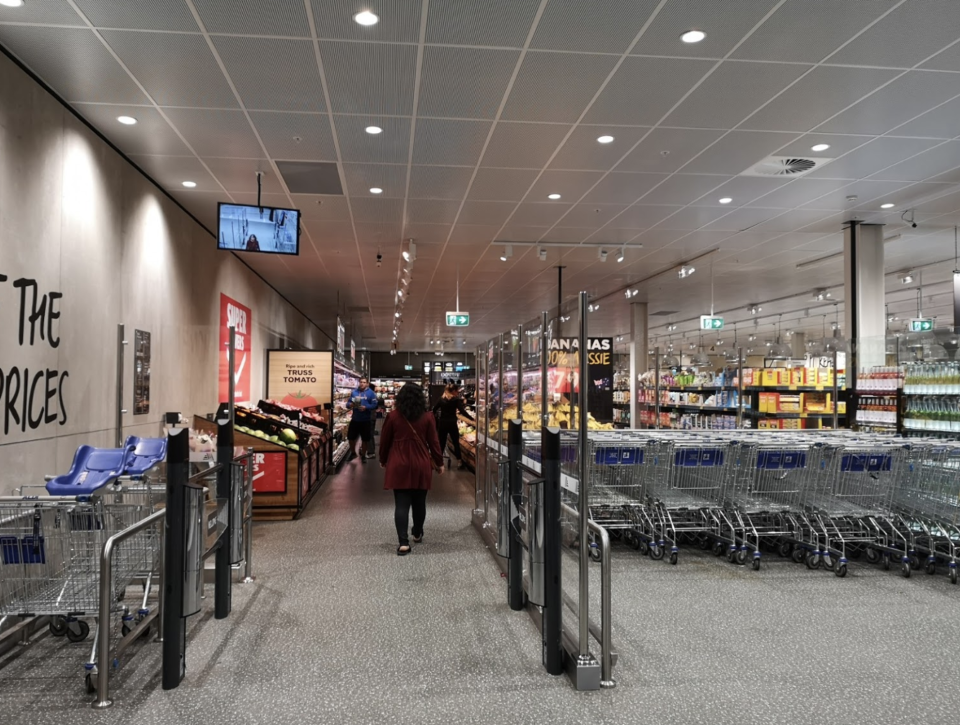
288,435
562,415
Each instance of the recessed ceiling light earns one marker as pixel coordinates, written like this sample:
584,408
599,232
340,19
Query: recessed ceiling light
189,184
553,196
820,147
376,190
125,120
11,3
726,200
693,36
605,139
373,130
365,17
888,205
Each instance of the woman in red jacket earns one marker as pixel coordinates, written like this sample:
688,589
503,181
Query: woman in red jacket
409,450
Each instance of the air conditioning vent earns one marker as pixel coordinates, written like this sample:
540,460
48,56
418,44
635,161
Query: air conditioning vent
785,166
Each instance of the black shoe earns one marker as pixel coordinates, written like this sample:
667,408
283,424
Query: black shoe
352,456
363,459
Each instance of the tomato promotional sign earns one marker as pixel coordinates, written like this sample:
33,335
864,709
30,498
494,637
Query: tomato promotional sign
269,472
240,317
300,379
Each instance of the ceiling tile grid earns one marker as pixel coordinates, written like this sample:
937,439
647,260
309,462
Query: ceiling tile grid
877,81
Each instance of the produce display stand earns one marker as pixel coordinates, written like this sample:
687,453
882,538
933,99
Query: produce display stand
468,442
284,479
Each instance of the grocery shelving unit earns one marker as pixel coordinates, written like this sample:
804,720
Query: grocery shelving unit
345,381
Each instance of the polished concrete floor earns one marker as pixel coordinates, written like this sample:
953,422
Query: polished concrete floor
338,629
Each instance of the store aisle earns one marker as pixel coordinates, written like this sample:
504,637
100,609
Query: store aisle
339,629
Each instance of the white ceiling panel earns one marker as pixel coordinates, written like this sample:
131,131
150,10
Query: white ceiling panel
377,211
252,17
737,151
376,234
295,136
817,96
872,157
728,21
637,95
923,21
464,82
797,33
949,59
801,219
203,206
73,62
195,80
502,184
152,135
240,175
732,92
360,178
582,152
298,88
566,235
666,150
170,171
432,211
607,27
799,192
216,134
591,216
743,189
621,188
897,103
481,22
489,213
571,185
684,189
327,232
556,86
43,13
322,208
370,78
390,147
940,122
643,217
137,14
839,145
523,145
429,233
738,220
451,143
866,192
399,20
934,162
541,213
693,217
439,182
521,233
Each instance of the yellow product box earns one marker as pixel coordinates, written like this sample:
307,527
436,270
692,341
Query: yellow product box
771,376
809,376
796,376
824,376
748,377
791,424
771,424
789,403
841,407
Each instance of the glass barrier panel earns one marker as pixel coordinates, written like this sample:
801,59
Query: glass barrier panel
531,388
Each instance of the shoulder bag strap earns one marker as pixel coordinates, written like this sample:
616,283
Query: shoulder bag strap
421,442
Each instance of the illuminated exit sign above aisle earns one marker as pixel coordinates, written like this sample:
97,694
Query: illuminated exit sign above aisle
921,324
458,319
708,322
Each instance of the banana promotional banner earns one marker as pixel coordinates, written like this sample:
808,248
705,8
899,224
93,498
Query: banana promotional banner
563,374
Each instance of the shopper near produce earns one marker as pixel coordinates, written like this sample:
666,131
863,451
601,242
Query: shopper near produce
363,402
446,410
410,452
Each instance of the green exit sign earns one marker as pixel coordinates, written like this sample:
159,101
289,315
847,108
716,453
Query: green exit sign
921,324
708,322
408,367
458,319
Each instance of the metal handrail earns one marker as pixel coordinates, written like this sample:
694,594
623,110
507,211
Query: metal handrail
606,636
106,600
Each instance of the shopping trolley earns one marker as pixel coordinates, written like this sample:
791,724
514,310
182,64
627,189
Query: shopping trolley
50,555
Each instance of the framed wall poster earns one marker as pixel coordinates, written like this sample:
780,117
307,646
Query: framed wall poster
301,379
141,372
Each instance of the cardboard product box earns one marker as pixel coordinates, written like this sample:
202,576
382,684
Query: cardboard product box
771,376
769,424
748,377
791,424
797,376
824,376
789,403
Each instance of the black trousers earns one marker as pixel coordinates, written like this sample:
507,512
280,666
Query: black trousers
407,498
445,429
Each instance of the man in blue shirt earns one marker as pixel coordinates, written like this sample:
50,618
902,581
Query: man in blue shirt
362,403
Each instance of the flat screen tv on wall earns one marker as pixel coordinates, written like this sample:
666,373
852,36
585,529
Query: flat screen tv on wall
258,229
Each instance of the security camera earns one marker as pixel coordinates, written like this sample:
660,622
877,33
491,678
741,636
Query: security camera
379,258
914,225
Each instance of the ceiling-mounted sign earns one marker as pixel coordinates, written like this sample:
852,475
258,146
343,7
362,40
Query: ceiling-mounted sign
427,367
921,324
408,367
710,322
458,319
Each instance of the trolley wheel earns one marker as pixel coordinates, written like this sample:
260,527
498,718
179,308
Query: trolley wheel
828,562
840,570
731,555
636,541
595,553
673,557
873,556
742,557
784,549
628,538
58,626
756,563
88,684
798,555
931,567
914,561
953,576
656,552
855,552
813,560
886,561
644,547
704,542
81,635
905,570
124,630
718,548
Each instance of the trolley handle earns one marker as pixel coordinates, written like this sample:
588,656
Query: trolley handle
36,530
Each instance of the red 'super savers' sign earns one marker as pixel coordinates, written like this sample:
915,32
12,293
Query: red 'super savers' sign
234,314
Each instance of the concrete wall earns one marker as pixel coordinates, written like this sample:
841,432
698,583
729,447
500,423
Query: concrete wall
82,222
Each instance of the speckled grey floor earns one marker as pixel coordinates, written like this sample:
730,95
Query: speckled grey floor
338,629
